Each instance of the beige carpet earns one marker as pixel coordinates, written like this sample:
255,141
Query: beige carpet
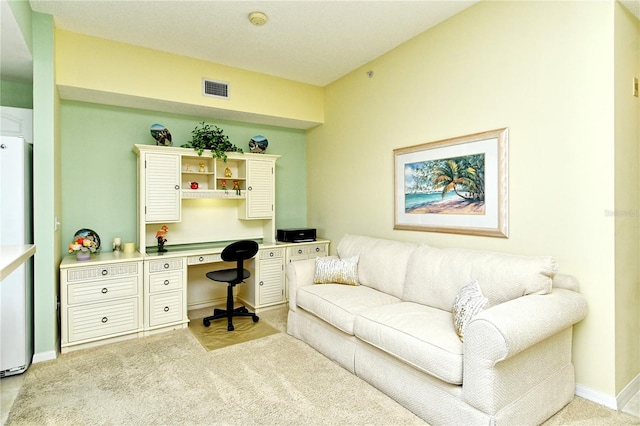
170,379
217,336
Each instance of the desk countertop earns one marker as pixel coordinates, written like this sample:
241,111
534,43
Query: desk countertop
13,256
185,250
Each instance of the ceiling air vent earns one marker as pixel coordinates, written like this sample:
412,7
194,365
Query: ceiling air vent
217,89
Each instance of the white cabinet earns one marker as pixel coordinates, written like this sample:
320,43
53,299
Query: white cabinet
175,185
301,251
162,183
259,201
165,292
100,300
266,287
270,277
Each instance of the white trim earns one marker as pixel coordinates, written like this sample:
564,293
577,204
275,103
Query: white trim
629,391
44,356
596,396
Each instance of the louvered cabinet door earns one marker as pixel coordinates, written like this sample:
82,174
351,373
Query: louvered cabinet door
260,189
271,277
162,182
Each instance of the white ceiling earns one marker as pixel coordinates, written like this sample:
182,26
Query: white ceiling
309,41
314,42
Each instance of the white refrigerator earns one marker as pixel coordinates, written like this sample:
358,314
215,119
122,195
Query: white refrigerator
16,228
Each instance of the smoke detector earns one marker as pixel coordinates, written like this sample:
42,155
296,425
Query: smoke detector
258,18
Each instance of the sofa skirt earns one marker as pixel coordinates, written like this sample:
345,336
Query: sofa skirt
335,344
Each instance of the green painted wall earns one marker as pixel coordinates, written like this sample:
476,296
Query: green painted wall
14,94
46,194
98,166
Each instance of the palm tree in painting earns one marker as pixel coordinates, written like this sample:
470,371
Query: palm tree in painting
463,175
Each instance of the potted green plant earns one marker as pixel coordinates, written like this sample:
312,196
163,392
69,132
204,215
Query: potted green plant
207,136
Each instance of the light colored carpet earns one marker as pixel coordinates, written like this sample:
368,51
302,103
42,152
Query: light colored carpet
170,379
217,336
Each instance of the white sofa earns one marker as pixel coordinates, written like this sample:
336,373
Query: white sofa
395,329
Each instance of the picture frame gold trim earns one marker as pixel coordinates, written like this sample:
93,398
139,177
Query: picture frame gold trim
427,199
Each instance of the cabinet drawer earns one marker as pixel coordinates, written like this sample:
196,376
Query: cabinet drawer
169,281
102,290
104,271
209,258
165,265
101,319
165,308
271,254
317,250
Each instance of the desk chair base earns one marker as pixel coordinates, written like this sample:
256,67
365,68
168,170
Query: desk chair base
230,312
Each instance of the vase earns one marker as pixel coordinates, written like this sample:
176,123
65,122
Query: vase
82,255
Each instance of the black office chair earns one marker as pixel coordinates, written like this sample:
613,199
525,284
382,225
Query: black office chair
238,252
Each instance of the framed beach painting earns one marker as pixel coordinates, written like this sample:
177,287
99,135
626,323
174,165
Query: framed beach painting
456,185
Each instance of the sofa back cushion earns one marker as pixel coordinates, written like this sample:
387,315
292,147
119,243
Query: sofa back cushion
435,276
382,263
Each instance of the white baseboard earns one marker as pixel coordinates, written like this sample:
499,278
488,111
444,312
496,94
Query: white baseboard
628,392
609,401
44,356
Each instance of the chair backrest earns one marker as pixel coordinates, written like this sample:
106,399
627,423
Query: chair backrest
239,251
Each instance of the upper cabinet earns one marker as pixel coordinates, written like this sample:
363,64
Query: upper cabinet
259,200
162,182
172,180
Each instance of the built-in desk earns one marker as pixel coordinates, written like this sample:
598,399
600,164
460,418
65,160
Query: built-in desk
114,296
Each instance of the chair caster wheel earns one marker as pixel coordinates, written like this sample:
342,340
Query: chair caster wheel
230,328
255,318
206,322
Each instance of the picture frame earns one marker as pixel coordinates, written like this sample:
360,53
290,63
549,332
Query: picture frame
457,185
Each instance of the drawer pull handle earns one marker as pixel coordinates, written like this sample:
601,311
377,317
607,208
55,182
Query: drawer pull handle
261,282
166,309
104,290
166,282
201,259
166,266
104,320
317,249
271,254
299,251
104,272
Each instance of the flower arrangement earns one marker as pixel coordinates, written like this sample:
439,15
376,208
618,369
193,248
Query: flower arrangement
84,244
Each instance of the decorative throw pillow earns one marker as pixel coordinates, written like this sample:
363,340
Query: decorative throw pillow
469,302
332,270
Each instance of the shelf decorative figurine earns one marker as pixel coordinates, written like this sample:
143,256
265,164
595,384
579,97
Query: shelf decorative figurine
236,187
160,236
201,167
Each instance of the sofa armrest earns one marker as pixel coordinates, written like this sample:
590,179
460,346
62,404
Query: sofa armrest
513,326
299,274
521,345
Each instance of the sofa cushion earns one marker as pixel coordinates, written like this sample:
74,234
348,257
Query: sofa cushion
419,335
339,304
435,276
331,270
382,264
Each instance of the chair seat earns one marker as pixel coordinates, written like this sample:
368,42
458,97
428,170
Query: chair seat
227,275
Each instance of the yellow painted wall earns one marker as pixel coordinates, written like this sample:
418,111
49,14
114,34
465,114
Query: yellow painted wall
542,69
115,70
627,188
